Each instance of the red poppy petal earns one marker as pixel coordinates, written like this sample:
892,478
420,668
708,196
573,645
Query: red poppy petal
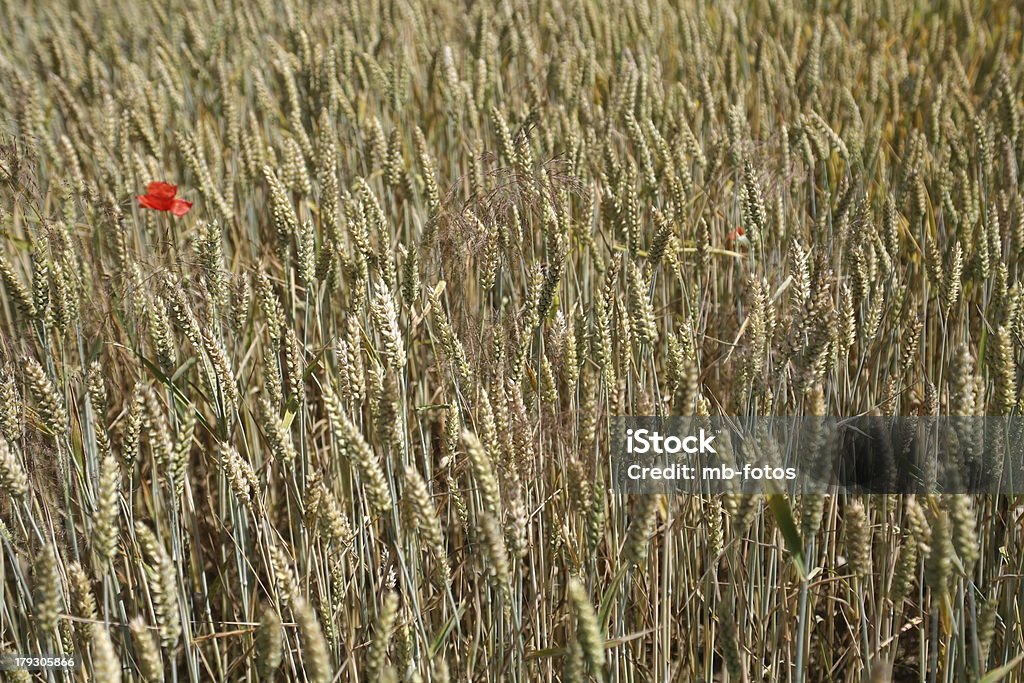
179,207
162,190
149,201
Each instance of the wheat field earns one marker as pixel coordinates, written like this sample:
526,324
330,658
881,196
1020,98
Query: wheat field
337,406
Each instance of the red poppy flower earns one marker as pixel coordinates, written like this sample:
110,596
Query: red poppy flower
736,234
160,197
